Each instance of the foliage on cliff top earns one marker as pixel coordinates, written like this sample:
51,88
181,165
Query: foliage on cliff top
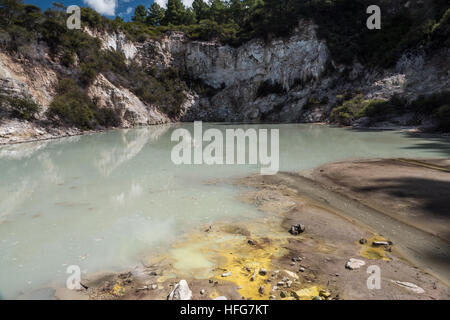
341,22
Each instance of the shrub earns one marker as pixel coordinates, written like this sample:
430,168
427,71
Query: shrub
73,107
22,107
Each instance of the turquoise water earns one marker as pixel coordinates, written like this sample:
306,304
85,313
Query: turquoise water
104,201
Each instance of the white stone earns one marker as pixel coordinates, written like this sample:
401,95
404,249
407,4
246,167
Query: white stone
180,292
353,264
409,286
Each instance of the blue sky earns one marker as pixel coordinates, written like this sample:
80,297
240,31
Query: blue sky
108,8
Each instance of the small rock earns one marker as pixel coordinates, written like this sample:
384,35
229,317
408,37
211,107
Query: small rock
280,283
317,298
324,293
253,276
272,297
363,241
202,292
221,298
297,229
226,274
292,263
288,284
154,286
262,271
180,292
261,290
283,294
251,242
211,280
153,273
380,243
410,286
143,288
301,269
353,264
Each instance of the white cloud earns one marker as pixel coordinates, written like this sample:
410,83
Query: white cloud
163,3
129,10
106,7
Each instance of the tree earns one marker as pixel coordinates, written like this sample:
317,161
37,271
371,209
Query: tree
218,11
155,14
140,14
175,12
8,10
201,9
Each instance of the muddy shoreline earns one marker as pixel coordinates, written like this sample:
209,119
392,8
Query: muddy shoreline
260,259
17,132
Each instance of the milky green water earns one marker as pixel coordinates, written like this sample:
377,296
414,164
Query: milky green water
104,201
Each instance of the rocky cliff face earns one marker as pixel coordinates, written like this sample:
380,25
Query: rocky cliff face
272,81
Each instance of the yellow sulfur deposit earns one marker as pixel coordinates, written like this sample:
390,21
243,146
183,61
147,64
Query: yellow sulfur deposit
372,252
307,293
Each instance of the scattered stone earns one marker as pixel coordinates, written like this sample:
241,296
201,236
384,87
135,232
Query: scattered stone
301,269
153,273
253,276
226,274
353,264
211,280
324,293
154,286
262,271
292,263
274,288
288,283
290,274
297,259
410,286
380,243
363,241
221,298
317,298
297,229
143,288
261,290
202,292
336,274
272,297
280,283
252,242
180,292
283,294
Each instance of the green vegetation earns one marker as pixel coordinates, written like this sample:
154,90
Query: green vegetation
352,107
73,107
21,107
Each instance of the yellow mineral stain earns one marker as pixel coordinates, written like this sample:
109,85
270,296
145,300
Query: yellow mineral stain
243,263
307,293
369,251
117,289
